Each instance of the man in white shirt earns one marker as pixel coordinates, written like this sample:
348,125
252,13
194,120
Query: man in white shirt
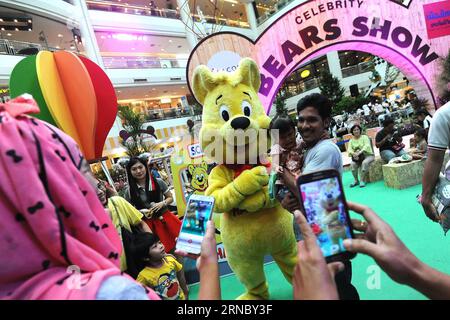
314,114
438,142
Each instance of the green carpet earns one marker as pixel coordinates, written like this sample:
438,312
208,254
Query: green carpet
400,209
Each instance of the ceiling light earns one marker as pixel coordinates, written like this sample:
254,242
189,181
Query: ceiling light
3,29
29,20
17,29
305,73
57,47
170,41
1,20
15,20
29,29
60,35
119,91
9,34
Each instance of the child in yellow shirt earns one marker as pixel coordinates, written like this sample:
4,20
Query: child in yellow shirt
161,272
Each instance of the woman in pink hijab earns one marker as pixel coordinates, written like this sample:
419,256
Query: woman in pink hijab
56,241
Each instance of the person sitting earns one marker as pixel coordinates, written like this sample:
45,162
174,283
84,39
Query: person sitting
421,146
314,279
160,271
339,130
399,145
385,141
360,150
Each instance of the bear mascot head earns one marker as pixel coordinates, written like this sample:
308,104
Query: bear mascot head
234,123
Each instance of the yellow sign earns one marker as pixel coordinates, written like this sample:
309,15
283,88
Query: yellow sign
190,176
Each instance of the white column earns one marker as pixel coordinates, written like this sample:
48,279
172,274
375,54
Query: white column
251,17
334,65
87,33
185,14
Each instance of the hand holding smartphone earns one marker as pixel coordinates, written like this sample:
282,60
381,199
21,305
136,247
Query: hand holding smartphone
323,200
198,212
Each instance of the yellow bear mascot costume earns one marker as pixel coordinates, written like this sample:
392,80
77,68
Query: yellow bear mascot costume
252,225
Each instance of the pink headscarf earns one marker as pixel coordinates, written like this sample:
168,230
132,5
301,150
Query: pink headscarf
51,222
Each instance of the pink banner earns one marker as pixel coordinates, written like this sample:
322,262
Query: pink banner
437,18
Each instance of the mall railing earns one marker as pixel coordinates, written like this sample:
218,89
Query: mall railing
132,9
302,87
152,115
157,12
279,6
357,69
222,21
20,48
142,63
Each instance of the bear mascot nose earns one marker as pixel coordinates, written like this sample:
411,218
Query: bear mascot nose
240,123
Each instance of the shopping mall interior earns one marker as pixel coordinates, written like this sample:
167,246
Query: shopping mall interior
144,47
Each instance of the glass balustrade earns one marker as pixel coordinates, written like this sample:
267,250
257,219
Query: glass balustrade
21,48
160,12
125,62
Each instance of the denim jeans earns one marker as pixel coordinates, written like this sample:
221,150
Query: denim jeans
387,155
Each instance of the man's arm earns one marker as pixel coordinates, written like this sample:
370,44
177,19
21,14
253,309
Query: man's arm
430,178
390,253
380,143
431,283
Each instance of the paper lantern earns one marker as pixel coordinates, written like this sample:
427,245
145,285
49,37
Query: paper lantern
73,93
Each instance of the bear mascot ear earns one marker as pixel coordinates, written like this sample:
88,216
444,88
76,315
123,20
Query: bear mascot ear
203,82
191,169
204,165
249,73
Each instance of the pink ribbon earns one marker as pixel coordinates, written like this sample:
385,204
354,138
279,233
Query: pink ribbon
23,104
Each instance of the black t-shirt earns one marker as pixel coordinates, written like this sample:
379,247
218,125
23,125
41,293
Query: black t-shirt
388,144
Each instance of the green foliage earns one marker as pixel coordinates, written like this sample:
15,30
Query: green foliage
132,123
280,104
349,104
330,87
420,103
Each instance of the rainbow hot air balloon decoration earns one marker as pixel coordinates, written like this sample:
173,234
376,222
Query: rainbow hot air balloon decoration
73,93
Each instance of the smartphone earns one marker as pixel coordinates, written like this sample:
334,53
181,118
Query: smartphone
326,211
199,210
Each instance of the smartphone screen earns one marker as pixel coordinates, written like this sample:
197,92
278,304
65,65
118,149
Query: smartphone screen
198,211
325,210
